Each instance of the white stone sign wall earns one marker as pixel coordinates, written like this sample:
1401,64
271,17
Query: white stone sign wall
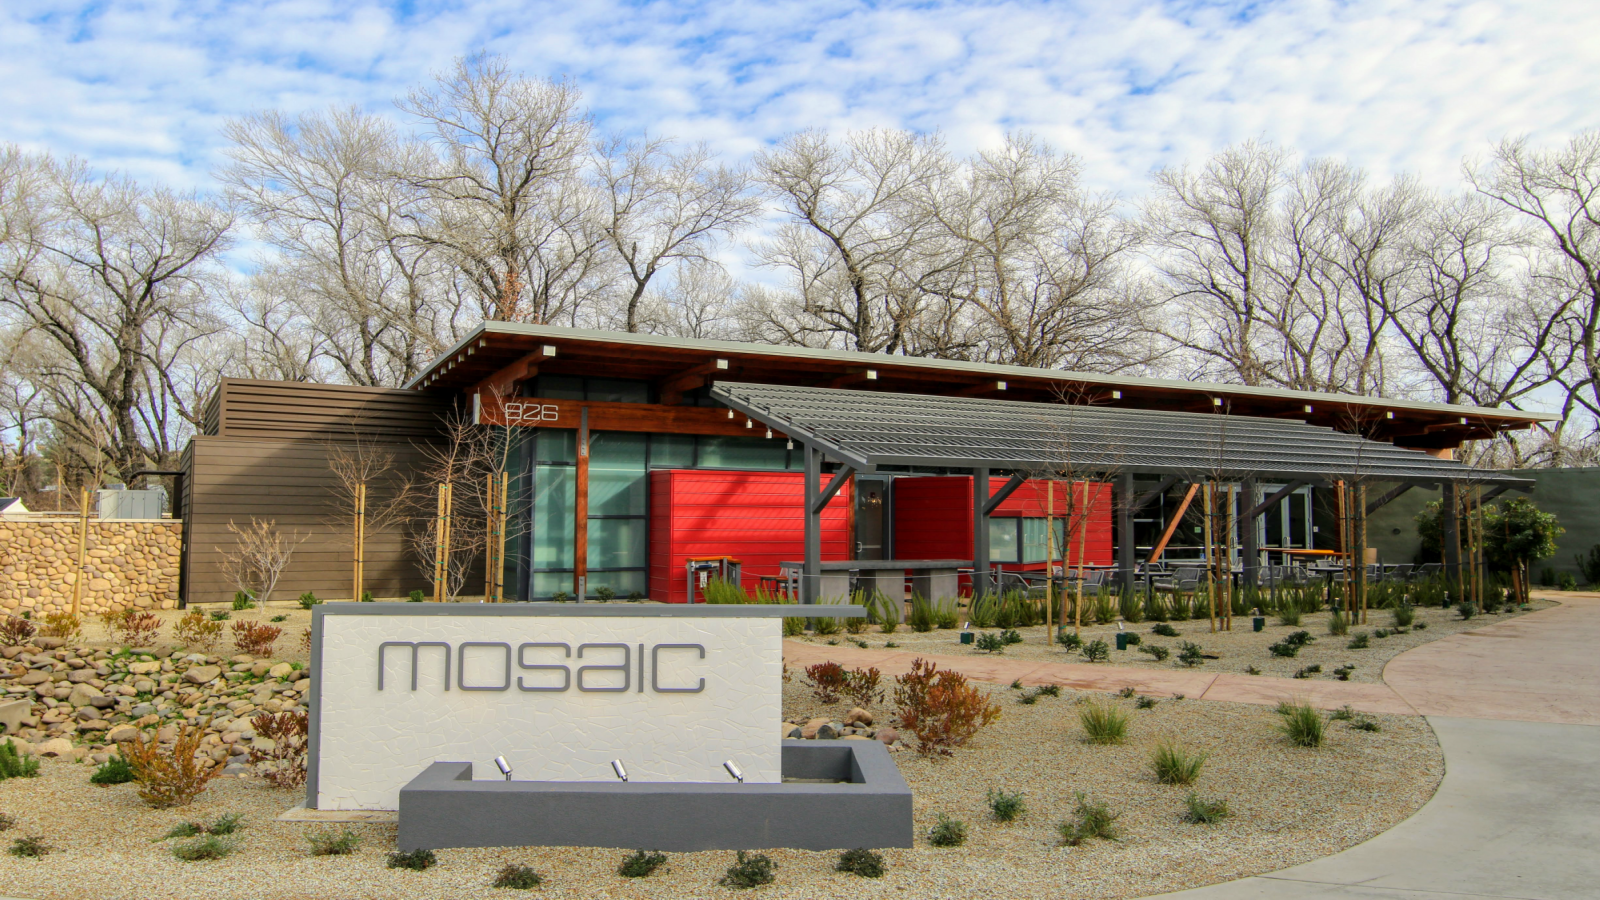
559,696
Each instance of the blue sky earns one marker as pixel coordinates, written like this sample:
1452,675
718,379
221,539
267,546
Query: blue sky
1129,86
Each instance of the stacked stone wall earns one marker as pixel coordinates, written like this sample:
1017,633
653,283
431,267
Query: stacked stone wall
128,564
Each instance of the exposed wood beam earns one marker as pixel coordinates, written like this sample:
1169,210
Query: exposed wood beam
505,380
999,497
979,390
1277,496
1149,496
833,487
671,388
1172,526
1387,497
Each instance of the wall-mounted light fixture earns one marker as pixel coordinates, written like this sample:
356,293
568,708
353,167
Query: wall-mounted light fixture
769,434
617,767
549,349
730,413
749,423
504,767
791,444
734,770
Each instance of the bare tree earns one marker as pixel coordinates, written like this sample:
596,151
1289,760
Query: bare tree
257,559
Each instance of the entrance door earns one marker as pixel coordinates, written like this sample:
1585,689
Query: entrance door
872,511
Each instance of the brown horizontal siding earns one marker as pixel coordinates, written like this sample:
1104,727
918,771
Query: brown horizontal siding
280,410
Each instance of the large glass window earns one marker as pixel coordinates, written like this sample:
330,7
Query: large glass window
743,453
1003,544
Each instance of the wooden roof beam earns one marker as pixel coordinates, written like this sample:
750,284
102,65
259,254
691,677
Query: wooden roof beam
851,378
980,390
672,387
504,382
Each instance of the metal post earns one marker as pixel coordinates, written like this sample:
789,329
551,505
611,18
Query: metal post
811,574
1451,523
1125,559
1251,538
981,583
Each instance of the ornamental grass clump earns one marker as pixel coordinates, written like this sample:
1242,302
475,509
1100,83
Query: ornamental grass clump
750,870
1204,811
1006,807
1172,764
1338,624
16,765
1092,819
947,832
333,843
640,864
1302,725
940,709
1404,615
862,862
518,878
1103,723
208,847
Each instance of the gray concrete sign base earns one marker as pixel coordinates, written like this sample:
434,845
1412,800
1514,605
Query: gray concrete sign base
1517,817
837,795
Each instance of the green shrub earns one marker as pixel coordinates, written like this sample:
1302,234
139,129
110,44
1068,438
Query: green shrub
1006,807
1190,654
366,597
750,870
220,615
640,864
1132,639
1568,582
1011,636
518,878
948,832
1251,670
1201,811
793,626
1050,690
1362,723
1145,703
415,860
16,765
308,600
1103,723
1172,764
1028,698
990,642
1404,615
243,600
225,824
984,611
922,618
1466,610
333,843
1338,625
1289,613
861,861
1291,644
1093,820
1068,639
1342,714
605,593
1343,672
1308,671
30,847
1359,642
947,612
114,770
416,596
1302,725
1096,651
1155,650
207,847
825,625
1420,626
1131,606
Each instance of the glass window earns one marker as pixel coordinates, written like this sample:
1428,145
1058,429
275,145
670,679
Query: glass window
624,583
616,543
556,446
743,453
1003,539
617,390
1033,539
547,584
672,451
617,476
553,522
559,387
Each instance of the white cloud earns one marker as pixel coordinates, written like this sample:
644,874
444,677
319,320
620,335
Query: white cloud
1392,85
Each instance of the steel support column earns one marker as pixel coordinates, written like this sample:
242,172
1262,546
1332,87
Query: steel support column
1125,502
811,573
1451,526
1250,539
981,582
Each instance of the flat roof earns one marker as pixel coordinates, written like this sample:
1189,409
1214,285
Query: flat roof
867,429
494,345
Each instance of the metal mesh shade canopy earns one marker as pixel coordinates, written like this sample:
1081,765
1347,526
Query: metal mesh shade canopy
867,429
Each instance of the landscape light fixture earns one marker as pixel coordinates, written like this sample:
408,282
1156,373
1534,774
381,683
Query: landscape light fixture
616,766
734,770
504,767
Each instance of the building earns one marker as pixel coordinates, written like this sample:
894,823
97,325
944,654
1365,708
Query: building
628,455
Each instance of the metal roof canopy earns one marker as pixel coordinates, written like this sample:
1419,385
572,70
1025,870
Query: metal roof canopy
867,429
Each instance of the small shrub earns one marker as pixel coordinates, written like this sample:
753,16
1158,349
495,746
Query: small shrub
231,823
940,708
115,770
195,628
255,638
948,832
305,638
416,596
1069,640
1172,764
861,861
1006,807
1307,671
1381,633
1343,672
1096,651
333,843
288,732
1251,670
1201,811
1302,725
605,593
366,597
1404,615
308,600
518,878
640,864
1338,625
1156,650
1569,582
1010,636
243,600
1289,614
1362,723
280,618
415,860
16,765
1145,703
825,625
1028,698
828,680
135,628
30,847
208,847
1133,639
750,870
861,686
1050,690
1127,693
1420,626
922,618
62,625
1342,714
6,822
220,615
1291,644
1359,642
16,630
1162,629
169,776
856,626
1103,723
1190,654
1466,610
1016,684
1093,820
184,830
989,642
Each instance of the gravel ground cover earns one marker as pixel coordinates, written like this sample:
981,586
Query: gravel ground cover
1236,651
1288,804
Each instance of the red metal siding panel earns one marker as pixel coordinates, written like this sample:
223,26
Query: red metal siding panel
933,516
754,517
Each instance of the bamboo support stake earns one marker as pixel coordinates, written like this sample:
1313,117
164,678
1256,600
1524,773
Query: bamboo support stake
1361,510
1211,556
1049,555
359,541
83,547
490,541
1233,533
1082,514
500,548
439,538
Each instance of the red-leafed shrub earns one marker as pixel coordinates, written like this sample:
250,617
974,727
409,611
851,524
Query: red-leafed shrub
255,638
940,708
15,630
828,680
